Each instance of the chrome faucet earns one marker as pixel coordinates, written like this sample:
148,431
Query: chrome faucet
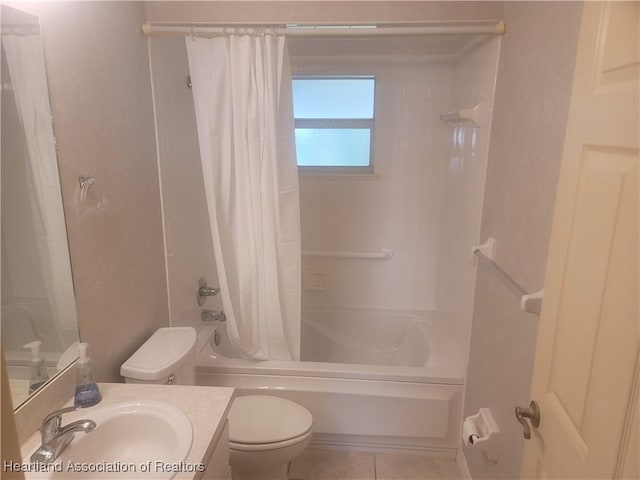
55,437
213,316
203,291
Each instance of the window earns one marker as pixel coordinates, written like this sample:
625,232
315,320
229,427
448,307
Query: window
334,121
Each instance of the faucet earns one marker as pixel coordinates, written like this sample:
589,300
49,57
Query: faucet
55,438
213,316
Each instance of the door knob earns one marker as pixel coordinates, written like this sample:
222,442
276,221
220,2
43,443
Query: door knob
532,412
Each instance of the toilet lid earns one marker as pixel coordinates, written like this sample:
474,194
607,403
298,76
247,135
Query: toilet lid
267,419
163,353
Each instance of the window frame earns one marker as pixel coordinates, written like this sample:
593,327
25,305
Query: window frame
339,123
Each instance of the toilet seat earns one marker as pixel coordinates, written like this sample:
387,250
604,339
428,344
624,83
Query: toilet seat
255,447
264,422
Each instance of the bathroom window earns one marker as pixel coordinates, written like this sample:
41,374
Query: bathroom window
334,117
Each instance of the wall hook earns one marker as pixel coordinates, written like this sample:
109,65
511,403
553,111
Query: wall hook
86,182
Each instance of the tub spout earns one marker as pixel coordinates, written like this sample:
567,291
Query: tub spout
213,316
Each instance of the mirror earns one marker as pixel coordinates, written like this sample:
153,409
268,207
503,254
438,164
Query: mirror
37,297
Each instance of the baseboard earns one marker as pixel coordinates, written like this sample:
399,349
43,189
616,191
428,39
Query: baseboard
463,465
380,445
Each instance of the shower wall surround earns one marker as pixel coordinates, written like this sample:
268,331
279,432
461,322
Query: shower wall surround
398,207
474,77
410,153
399,210
418,197
189,248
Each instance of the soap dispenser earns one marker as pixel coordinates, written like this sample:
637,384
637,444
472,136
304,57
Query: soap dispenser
39,374
87,391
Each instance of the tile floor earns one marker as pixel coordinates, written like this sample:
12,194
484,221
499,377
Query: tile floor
321,464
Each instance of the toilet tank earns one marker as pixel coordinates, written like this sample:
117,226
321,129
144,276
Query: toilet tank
167,357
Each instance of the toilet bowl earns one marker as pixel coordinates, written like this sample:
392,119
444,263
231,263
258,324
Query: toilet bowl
265,434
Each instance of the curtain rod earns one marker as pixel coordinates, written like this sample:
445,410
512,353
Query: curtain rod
298,30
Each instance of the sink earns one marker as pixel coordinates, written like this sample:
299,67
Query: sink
128,436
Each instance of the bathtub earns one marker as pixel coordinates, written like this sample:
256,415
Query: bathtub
25,319
373,380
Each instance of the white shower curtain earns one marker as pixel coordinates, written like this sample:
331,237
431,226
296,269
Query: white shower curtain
25,62
244,113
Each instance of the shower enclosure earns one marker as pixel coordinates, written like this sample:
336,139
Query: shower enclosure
387,272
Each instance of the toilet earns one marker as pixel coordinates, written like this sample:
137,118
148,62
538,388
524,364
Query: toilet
265,432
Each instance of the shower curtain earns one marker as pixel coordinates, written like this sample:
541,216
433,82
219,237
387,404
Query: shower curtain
244,114
25,62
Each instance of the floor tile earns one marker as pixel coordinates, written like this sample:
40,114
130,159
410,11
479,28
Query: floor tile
415,467
320,464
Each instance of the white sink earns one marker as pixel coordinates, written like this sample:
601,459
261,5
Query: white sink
128,436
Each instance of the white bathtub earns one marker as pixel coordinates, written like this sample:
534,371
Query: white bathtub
375,380
369,337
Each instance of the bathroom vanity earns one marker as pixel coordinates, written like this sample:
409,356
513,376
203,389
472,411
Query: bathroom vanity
206,409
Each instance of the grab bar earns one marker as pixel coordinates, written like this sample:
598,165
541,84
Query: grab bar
529,302
384,254
511,283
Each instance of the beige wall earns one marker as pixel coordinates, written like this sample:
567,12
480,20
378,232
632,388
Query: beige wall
98,71
532,98
320,11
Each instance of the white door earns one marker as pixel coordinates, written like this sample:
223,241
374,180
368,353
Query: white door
586,370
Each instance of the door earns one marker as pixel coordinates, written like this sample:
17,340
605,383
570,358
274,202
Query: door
586,370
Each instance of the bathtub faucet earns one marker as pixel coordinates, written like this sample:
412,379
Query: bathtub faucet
213,316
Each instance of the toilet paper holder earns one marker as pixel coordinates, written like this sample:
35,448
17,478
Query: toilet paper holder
482,431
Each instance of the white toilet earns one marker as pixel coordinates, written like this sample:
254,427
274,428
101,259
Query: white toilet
265,432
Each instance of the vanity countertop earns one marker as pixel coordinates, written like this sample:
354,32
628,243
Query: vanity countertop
206,408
